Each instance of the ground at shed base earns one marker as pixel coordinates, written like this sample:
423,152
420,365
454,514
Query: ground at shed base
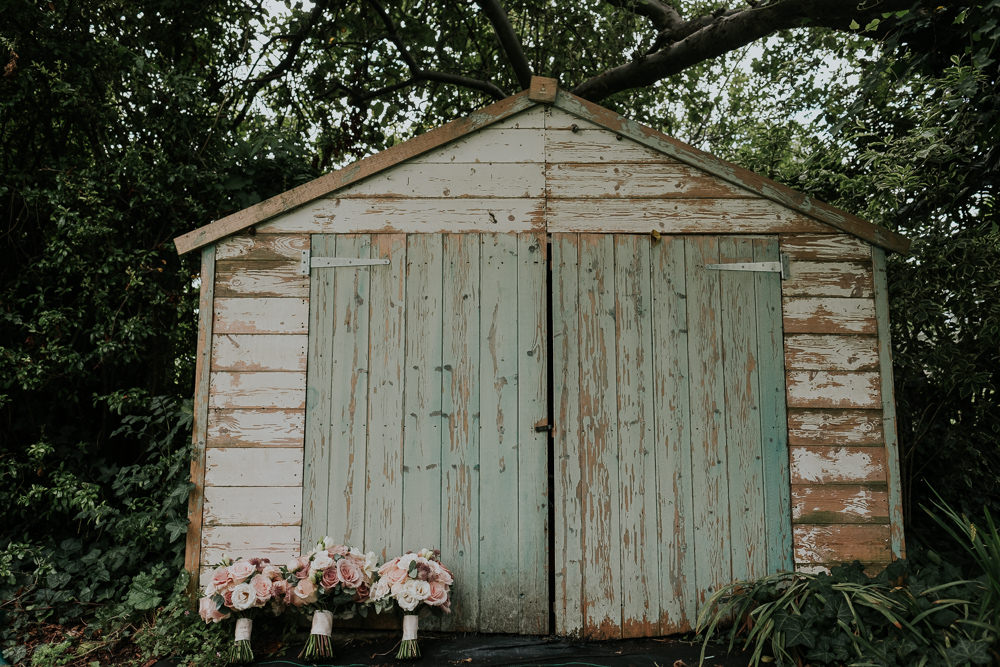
365,649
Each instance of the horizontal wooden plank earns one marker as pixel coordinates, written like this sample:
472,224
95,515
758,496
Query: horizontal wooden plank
595,145
274,389
243,278
840,503
278,543
270,315
259,352
262,247
385,215
256,428
837,465
557,119
533,118
867,543
817,247
423,179
253,505
674,216
248,466
665,179
828,315
492,145
834,427
831,352
843,279
833,389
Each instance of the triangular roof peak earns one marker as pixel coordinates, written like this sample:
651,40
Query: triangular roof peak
542,91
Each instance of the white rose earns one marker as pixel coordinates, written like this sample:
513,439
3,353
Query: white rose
426,553
243,596
371,562
320,561
404,561
418,589
381,590
404,598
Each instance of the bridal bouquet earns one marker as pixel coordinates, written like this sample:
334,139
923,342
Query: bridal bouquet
409,581
239,588
331,578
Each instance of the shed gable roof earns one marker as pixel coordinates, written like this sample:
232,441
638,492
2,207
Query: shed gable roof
543,91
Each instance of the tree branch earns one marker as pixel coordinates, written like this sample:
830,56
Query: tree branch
508,40
716,35
661,15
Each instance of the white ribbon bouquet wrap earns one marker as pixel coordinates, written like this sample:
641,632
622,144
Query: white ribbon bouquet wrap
332,578
413,581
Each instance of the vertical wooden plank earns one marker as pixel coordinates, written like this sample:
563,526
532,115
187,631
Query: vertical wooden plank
348,393
422,397
568,491
532,445
316,472
386,308
460,405
499,606
896,538
678,592
773,424
598,443
199,427
708,425
639,538
742,413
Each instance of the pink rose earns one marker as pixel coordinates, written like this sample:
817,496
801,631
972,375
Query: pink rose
395,576
304,593
349,573
361,593
279,587
209,611
263,587
220,578
338,550
241,570
272,572
441,574
438,596
330,578
302,569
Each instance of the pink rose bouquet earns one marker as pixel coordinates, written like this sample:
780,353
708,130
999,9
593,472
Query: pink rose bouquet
409,581
239,588
331,578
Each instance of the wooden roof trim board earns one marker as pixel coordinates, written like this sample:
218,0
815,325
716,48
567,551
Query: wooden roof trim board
732,173
543,91
286,201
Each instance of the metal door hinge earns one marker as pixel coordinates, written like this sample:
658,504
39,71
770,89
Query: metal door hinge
543,425
782,266
307,262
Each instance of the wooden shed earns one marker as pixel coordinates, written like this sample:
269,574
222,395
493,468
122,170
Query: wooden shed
603,371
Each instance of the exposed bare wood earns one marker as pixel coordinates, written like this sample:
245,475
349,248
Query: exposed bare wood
240,278
840,503
831,352
868,543
653,180
279,543
825,247
828,315
275,389
264,247
831,427
423,178
261,316
259,352
833,389
253,505
841,279
255,428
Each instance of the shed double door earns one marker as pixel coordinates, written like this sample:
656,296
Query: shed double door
666,469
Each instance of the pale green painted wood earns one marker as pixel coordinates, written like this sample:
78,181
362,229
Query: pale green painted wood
896,535
348,392
532,446
384,498
748,538
672,410
422,393
460,446
773,417
708,427
499,603
639,537
315,478
568,538
598,443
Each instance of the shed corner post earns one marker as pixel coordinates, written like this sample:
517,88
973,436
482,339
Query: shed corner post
897,542
199,430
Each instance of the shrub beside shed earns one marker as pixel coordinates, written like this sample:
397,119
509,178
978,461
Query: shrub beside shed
603,371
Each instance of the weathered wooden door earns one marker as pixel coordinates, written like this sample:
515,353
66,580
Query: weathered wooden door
671,469
425,379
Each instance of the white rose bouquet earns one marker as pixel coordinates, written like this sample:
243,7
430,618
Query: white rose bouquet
239,588
409,581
